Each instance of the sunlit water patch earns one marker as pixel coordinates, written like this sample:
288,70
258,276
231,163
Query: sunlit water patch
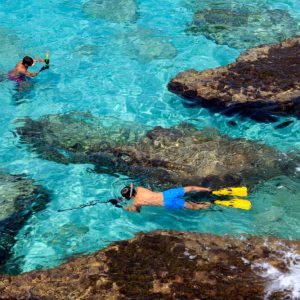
118,65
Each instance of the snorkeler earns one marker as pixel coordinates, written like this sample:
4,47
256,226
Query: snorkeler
172,198
19,73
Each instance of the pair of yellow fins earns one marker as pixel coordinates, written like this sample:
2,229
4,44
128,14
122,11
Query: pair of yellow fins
234,202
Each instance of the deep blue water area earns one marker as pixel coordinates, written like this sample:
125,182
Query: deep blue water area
118,64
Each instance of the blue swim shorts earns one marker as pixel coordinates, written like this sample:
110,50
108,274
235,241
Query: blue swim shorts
173,198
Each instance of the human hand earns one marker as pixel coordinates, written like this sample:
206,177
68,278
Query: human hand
44,68
205,204
131,208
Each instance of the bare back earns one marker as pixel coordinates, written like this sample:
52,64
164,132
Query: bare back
145,197
19,69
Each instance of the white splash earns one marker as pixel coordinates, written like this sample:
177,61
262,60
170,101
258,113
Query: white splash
283,281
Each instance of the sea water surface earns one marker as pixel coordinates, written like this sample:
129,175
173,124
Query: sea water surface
112,69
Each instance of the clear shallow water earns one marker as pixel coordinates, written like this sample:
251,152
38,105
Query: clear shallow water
106,68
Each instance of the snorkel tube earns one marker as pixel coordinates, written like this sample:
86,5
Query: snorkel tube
47,62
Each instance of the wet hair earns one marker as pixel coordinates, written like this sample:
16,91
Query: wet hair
27,61
125,192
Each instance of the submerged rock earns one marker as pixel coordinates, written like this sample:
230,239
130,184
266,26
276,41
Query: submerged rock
19,198
111,10
263,79
3,76
180,155
169,265
147,45
10,48
244,26
87,50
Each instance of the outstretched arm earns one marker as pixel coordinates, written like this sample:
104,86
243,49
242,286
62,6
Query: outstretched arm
29,74
39,60
189,189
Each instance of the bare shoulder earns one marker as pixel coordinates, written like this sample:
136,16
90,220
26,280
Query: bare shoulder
141,189
20,67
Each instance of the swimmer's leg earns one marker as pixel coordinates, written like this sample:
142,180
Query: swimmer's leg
196,206
24,86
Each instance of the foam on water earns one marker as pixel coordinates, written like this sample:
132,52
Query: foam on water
104,67
288,282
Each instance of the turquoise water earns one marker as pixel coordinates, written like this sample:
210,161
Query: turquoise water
121,70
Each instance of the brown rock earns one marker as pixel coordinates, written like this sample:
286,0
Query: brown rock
164,157
263,78
158,265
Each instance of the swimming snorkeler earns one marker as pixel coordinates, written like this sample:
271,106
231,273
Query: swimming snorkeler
19,73
172,198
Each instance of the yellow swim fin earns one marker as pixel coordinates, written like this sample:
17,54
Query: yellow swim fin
236,203
241,191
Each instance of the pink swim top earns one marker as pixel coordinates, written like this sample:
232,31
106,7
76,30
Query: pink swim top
13,77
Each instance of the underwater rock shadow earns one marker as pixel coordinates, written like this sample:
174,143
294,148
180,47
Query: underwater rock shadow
258,111
20,198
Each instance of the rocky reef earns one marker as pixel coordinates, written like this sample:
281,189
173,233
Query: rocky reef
117,11
3,76
263,79
169,265
19,198
146,45
241,26
180,155
10,46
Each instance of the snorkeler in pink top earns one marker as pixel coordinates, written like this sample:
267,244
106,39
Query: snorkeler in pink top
19,73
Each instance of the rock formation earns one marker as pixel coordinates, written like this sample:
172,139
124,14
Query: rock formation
19,198
111,10
263,79
146,45
169,265
180,155
10,47
241,26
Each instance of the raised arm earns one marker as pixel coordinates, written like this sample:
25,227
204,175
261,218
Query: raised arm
39,60
189,189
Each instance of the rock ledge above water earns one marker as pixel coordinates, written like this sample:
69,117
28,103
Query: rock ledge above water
266,77
164,265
